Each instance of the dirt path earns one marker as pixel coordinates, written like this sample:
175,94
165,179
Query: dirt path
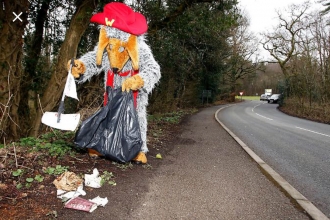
204,174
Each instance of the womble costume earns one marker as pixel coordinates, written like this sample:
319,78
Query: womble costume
125,58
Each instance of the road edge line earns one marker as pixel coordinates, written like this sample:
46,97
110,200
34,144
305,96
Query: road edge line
305,204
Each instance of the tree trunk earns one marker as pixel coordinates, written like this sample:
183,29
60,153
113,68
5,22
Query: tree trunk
11,42
28,105
54,89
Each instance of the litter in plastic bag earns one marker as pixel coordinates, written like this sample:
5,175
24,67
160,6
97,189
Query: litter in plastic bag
114,130
93,180
68,181
99,201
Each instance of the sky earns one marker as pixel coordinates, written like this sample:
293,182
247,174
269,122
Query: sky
263,16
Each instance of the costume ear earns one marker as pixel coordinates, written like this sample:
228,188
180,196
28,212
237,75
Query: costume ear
132,48
103,42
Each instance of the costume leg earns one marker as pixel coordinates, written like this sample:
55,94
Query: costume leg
142,116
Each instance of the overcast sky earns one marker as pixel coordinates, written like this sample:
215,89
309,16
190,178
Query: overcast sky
262,14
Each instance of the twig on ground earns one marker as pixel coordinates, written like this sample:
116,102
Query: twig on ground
77,158
26,167
15,156
5,157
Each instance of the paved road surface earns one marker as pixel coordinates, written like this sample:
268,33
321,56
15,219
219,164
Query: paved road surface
297,149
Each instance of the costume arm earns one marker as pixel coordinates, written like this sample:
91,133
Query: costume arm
149,69
89,60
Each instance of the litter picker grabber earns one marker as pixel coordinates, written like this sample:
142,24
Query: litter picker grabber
59,120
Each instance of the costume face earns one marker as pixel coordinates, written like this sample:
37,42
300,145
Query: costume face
119,52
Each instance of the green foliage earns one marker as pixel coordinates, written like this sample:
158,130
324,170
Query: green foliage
29,180
49,170
19,186
54,143
191,50
147,166
123,166
171,117
248,98
57,170
18,172
107,177
39,178
189,45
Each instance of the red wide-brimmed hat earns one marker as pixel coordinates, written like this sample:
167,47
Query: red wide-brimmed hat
122,17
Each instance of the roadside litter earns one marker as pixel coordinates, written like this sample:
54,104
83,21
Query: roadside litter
70,187
99,201
93,180
68,181
65,195
90,205
81,204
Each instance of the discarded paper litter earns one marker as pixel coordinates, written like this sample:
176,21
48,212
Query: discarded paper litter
70,187
64,195
68,181
90,205
79,203
100,201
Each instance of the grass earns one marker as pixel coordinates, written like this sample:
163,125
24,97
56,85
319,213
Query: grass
248,97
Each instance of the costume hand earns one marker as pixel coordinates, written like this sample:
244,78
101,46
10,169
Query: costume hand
77,69
132,83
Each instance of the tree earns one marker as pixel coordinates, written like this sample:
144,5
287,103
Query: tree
191,49
301,47
321,38
193,34
282,44
78,25
33,79
13,19
312,66
326,3
243,60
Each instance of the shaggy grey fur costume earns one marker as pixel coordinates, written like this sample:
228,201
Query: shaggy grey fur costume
149,70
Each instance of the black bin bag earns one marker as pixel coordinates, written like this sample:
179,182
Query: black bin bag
113,130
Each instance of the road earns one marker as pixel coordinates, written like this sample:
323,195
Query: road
298,149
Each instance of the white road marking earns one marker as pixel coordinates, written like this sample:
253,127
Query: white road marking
296,126
313,131
264,117
259,114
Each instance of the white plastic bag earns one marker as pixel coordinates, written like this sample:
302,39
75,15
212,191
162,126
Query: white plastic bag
93,180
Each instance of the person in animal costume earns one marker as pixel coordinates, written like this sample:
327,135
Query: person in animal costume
124,56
